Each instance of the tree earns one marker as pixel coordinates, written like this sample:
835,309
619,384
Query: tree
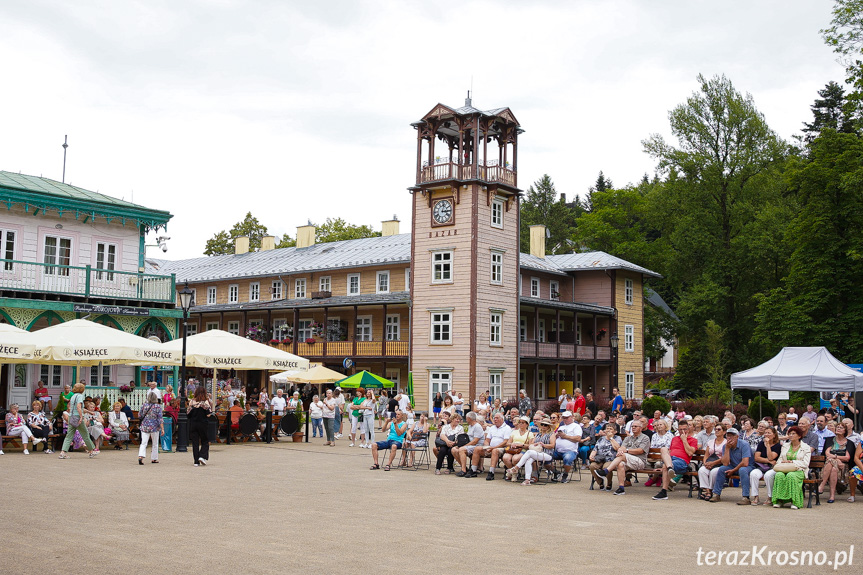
830,111
543,205
223,242
721,177
602,184
659,328
845,36
336,230
819,300
716,384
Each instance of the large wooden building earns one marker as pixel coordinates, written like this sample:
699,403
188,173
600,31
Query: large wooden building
453,302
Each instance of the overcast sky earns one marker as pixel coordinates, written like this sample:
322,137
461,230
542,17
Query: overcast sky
300,111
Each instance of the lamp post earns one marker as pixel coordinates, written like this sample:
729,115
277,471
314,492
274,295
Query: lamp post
182,418
613,341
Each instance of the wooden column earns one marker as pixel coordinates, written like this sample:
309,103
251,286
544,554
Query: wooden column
460,151
296,329
557,330
384,334
419,154
595,334
355,331
326,328
536,329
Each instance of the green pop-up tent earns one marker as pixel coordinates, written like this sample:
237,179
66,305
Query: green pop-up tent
365,380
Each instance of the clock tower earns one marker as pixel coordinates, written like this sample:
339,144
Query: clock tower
465,254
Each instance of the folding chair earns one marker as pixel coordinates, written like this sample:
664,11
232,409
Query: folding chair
420,454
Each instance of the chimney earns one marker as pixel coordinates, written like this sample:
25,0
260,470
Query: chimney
390,227
537,241
268,243
241,245
305,236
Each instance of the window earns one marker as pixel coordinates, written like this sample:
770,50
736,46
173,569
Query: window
441,327
540,336
300,288
495,323
522,329
233,293
540,384
497,213
353,284
50,374
494,383
191,329
628,291
522,378
254,291
577,334
496,267
304,330
394,375
534,287
630,384
577,378
324,284
407,279
442,267
106,259
393,328
554,290
280,329
215,325
99,378
211,295
383,283
58,251
629,338
364,328
440,382
7,245
276,289
234,327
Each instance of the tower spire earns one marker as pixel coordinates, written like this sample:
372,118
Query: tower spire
65,145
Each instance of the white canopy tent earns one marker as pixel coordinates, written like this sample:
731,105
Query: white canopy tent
800,369
219,349
316,374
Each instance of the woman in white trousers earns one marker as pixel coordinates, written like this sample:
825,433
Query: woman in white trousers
540,451
151,427
765,454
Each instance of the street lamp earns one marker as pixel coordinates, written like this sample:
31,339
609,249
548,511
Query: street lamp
613,341
182,418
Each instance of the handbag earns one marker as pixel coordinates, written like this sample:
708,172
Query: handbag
440,442
784,467
462,439
535,447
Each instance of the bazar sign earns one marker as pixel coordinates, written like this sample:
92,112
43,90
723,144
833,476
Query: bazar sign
109,309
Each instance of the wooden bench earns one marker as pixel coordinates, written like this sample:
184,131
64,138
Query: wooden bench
816,466
15,440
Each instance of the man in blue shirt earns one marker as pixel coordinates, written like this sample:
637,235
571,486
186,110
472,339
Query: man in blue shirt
617,402
736,459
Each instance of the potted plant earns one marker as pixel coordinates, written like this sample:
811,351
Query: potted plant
287,341
297,436
310,340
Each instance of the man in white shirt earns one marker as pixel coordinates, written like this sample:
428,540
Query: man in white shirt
153,387
458,402
279,403
476,435
496,437
566,445
404,401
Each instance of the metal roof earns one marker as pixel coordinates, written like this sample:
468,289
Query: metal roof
595,261
656,300
366,252
47,194
335,301
539,264
585,307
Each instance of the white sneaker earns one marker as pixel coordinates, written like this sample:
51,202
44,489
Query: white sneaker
37,441
351,445
1,452
202,461
26,452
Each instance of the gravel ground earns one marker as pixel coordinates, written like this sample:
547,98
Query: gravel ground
292,508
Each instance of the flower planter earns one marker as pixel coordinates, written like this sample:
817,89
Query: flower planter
297,436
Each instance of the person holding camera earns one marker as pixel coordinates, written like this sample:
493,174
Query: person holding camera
398,429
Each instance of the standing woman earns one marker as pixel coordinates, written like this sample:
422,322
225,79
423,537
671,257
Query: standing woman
437,405
263,400
790,470
367,425
495,409
448,406
355,416
76,423
330,418
199,410
339,412
151,427
383,400
39,425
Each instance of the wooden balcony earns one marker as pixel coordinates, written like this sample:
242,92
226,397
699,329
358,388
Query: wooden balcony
85,282
343,349
546,350
492,172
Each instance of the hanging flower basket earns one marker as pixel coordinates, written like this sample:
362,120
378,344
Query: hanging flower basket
125,388
310,340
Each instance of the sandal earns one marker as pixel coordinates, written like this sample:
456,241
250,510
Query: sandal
375,466
63,455
155,461
851,499
526,482
386,467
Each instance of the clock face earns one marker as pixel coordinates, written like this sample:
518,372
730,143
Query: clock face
442,212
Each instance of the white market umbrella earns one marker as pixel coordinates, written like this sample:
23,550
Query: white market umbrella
217,349
82,342
315,374
16,345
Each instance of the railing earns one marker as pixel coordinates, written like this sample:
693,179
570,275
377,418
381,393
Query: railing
541,349
452,170
348,349
85,281
134,399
